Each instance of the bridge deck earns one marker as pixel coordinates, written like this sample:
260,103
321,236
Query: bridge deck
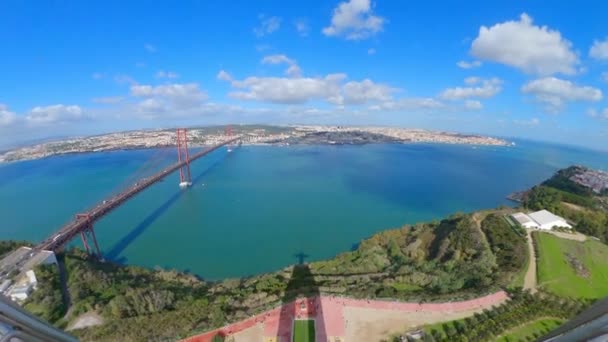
77,225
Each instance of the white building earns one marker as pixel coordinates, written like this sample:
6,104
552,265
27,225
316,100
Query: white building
542,219
20,292
525,220
26,281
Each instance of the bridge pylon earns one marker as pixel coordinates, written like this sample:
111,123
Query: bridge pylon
89,240
185,178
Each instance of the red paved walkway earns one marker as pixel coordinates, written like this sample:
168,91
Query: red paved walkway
327,311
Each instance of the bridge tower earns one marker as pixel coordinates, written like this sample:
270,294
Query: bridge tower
185,179
228,134
89,240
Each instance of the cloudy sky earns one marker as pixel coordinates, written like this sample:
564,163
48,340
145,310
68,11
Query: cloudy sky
519,68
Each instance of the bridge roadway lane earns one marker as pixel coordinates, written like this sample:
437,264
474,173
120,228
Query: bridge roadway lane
74,227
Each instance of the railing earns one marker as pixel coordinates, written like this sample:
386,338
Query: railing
18,325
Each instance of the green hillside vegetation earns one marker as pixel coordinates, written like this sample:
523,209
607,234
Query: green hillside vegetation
490,324
446,260
449,256
551,195
46,302
531,331
571,268
8,246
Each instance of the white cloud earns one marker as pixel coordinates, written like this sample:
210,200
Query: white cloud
605,113
296,90
528,123
591,112
409,104
371,51
366,91
166,74
267,26
599,50
289,90
6,116
473,105
485,88
176,95
277,59
292,71
97,75
58,113
122,79
151,106
224,76
108,99
468,65
605,76
150,48
354,20
302,26
533,49
555,92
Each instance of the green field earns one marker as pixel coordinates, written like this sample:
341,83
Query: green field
526,332
304,330
557,274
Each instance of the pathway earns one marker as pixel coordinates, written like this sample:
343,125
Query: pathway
530,279
347,319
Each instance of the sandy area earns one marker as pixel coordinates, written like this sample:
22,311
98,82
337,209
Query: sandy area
253,334
530,279
349,319
87,319
366,324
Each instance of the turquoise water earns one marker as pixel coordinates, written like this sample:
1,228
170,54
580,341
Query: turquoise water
253,210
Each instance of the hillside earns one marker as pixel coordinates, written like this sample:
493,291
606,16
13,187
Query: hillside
460,257
463,256
566,195
571,268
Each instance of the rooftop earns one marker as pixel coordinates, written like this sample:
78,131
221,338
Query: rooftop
544,217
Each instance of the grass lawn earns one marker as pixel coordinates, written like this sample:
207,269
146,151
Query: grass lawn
304,330
557,275
526,332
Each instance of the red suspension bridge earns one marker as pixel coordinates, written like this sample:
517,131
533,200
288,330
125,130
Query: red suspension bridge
83,223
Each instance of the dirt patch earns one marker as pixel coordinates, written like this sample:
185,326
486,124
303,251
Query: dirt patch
530,278
573,206
88,319
577,266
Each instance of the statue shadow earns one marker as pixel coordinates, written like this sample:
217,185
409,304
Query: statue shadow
301,302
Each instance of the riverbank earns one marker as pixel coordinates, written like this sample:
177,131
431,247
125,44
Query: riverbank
250,135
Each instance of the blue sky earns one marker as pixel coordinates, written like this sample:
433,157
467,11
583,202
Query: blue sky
533,69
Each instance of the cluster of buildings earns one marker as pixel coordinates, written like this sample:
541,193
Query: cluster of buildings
543,219
592,179
251,135
18,287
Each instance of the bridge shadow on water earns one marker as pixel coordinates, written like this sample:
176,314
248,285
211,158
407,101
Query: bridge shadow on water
301,301
114,254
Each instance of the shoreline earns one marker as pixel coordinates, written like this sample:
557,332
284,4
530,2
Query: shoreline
278,144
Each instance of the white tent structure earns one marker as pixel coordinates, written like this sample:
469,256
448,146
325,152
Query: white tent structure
542,219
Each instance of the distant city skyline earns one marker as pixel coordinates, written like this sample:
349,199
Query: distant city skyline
512,69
